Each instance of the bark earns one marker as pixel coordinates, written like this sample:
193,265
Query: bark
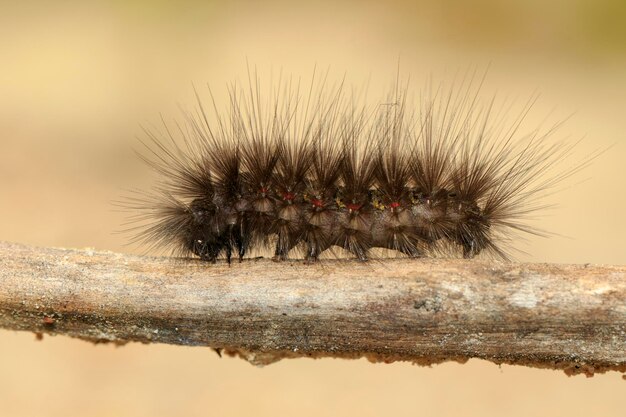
569,317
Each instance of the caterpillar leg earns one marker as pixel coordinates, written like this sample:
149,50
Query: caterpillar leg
242,252
230,241
312,253
470,249
241,240
288,237
354,234
282,249
206,251
473,240
316,242
229,251
472,244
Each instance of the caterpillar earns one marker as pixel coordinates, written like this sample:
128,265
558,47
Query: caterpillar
307,172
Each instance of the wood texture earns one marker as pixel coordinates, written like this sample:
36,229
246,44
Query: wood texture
569,317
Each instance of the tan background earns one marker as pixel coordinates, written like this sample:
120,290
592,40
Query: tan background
76,80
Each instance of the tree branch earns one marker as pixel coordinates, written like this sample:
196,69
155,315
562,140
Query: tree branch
569,317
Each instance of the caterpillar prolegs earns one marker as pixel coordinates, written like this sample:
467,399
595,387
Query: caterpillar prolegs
303,173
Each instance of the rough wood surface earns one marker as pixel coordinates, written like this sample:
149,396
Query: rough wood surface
570,317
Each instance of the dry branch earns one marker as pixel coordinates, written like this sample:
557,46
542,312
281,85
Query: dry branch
570,317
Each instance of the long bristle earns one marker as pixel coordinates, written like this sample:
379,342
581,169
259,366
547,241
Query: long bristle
311,170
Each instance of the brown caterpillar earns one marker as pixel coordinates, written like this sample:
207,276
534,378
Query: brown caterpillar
308,172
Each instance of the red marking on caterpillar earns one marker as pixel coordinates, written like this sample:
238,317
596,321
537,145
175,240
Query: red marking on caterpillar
456,178
317,203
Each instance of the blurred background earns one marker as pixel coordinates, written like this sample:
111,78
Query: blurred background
78,78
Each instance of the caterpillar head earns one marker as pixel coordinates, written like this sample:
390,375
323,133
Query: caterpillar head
205,228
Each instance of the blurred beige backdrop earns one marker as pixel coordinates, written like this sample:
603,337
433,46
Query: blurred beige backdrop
76,79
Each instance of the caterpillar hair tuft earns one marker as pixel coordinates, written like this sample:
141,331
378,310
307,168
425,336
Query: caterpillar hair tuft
303,172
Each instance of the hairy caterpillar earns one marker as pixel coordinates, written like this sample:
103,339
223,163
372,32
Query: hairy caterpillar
311,171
